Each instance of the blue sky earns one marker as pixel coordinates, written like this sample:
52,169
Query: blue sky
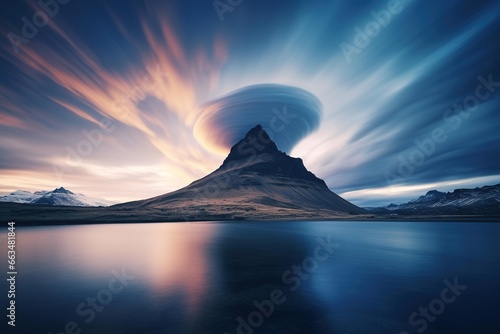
131,99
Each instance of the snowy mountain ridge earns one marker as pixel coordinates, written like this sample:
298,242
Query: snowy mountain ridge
57,197
457,198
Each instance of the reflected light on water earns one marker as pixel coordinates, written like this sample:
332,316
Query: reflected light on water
154,255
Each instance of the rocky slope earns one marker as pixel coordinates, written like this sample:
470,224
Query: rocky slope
255,176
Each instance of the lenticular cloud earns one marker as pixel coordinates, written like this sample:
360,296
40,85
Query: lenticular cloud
286,113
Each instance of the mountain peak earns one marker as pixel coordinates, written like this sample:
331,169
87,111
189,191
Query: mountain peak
433,193
257,153
61,190
255,142
255,131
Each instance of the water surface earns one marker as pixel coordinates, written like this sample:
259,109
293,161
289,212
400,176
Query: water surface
203,277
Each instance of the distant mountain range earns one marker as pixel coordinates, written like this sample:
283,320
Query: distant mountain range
482,200
56,197
255,177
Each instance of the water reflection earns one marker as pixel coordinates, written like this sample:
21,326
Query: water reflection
199,278
171,262
252,258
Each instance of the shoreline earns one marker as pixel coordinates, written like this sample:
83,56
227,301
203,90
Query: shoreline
39,215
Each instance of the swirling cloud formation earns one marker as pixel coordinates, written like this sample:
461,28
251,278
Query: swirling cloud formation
286,113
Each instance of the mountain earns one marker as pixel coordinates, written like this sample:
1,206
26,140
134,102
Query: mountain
255,179
460,201
56,197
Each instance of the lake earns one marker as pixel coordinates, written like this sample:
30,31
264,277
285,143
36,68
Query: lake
257,277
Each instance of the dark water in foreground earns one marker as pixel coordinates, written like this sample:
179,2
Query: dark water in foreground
354,277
